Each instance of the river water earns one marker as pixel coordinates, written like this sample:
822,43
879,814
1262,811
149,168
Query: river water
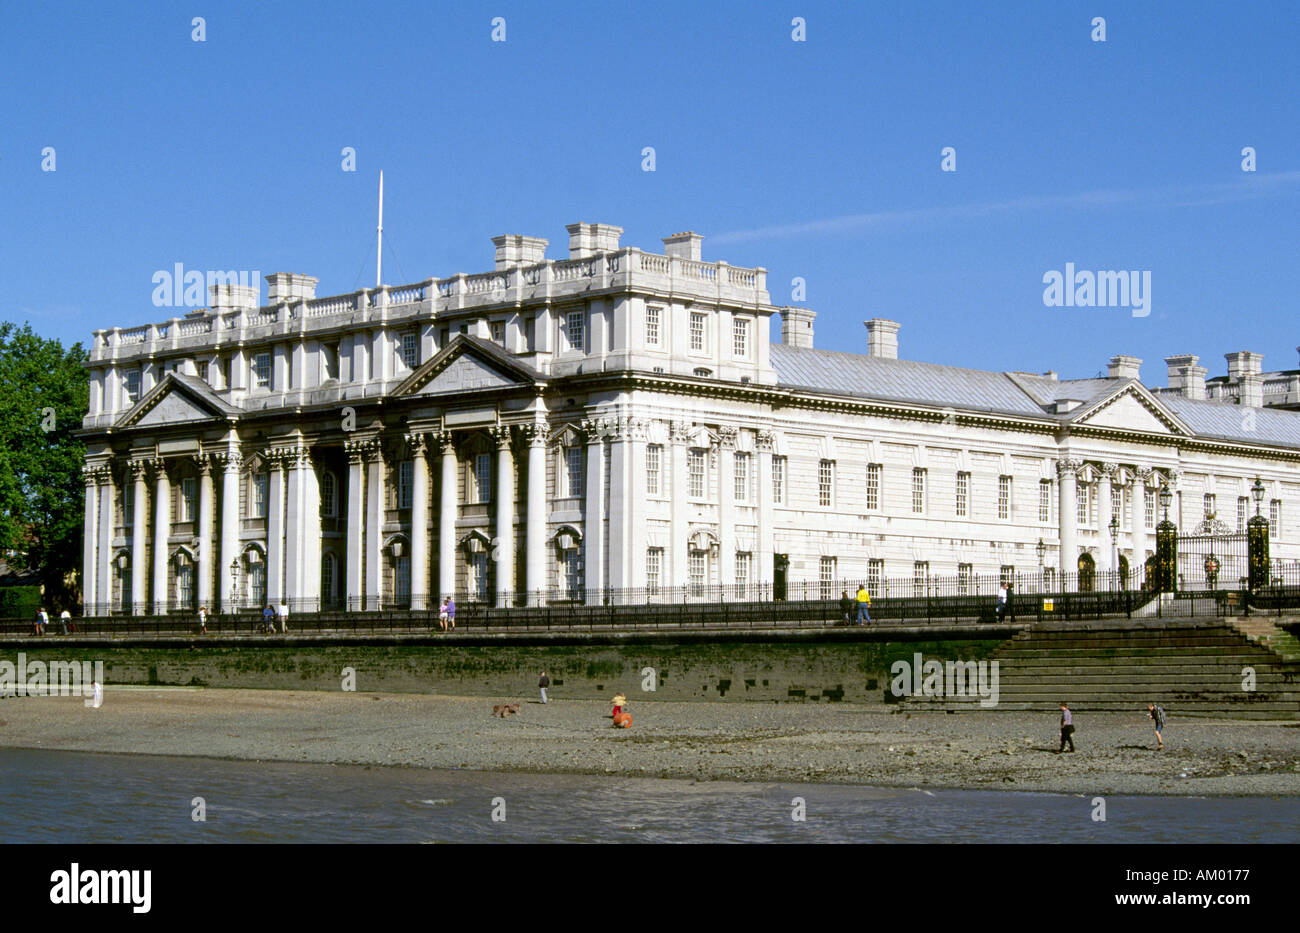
76,797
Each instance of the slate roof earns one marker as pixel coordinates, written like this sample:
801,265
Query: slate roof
908,381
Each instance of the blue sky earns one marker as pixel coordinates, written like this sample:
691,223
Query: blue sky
816,159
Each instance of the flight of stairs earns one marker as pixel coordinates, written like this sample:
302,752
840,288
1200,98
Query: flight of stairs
1188,667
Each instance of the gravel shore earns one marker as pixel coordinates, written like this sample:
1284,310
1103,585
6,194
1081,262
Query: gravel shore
716,740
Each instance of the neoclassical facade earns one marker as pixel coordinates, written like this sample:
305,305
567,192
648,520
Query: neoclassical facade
617,426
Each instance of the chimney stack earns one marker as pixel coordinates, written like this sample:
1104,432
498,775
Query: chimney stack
683,245
797,326
1185,376
882,338
515,250
589,239
1124,367
290,287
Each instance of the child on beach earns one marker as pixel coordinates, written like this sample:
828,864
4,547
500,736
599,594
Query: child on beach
620,702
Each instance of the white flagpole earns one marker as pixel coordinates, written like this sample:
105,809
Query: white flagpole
379,251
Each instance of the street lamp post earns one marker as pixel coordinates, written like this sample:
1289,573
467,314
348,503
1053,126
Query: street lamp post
1166,544
1114,549
1042,551
234,585
1257,545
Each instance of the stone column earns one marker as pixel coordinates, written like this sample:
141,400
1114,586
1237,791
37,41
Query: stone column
1138,519
90,541
353,589
1105,509
104,563
681,527
303,533
766,534
448,503
206,544
593,516
727,506
535,529
162,514
1067,474
275,527
504,546
376,505
636,507
229,526
620,497
139,539
419,448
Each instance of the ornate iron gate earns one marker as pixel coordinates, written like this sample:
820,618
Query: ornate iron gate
1212,562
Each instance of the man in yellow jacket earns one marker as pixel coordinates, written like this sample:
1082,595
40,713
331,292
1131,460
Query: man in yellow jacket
864,600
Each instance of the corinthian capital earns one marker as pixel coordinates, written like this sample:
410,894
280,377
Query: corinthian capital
1067,466
727,437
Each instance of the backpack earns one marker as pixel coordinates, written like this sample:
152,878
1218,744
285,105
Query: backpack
1158,714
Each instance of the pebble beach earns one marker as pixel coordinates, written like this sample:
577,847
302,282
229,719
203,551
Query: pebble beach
701,740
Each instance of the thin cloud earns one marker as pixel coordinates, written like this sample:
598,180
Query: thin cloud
1183,196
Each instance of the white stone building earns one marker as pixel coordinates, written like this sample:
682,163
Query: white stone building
617,424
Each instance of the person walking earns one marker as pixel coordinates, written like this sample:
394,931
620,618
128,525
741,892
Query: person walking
451,613
65,617
203,620
284,616
846,608
442,613
268,619
542,683
1157,715
1067,727
42,620
1002,602
863,600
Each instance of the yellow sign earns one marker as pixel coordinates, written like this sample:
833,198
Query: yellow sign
1047,605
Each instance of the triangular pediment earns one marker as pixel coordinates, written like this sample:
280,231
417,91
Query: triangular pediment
1132,408
467,364
175,401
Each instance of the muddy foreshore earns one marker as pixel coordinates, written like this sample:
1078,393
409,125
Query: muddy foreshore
703,740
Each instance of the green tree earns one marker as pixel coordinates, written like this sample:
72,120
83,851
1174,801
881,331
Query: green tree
43,397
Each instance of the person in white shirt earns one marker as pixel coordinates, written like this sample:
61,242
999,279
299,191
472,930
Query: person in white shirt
64,618
284,615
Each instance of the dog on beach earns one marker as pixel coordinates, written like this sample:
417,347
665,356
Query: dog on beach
502,710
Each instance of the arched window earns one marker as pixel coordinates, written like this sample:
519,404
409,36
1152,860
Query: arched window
1087,573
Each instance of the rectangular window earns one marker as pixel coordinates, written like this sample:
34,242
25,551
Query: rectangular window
1243,506
329,361
570,573
259,496
262,370
1004,497
698,570
826,576
826,483
963,491
920,577
778,480
132,386
402,580
697,330
405,483
964,572
498,329
1274,518
185,583
410,350
1208,504
652,315
1082,509
743,563
1045,500
695,465
918,491
654,568
573,325
478,576
654,455
202,369
329,495
1007,574
189,498
874,471
1149,506
573,471
1116,503
742,477
875,576
482,477
740,338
